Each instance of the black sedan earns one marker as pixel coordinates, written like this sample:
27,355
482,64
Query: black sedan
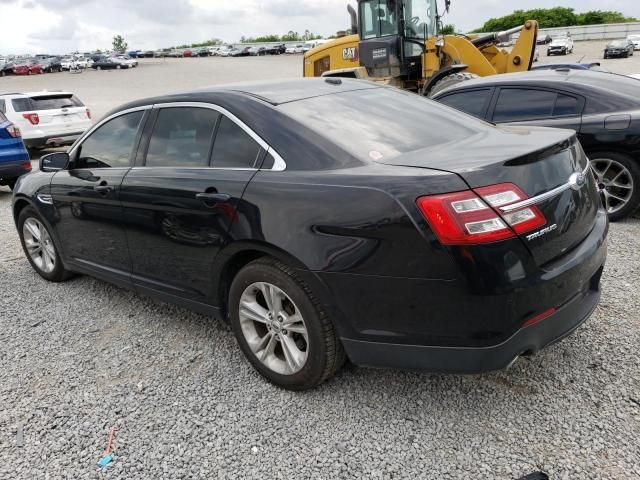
544,40
619,48
329,218
109,64
603,108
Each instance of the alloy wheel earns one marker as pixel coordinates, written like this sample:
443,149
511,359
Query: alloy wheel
39,245
274,328
615,183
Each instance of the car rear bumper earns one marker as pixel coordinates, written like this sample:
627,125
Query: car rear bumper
14,169
529,340
52,140
443,326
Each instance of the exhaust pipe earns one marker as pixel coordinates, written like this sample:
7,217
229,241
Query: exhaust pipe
354,19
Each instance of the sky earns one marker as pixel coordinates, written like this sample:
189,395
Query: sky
61,26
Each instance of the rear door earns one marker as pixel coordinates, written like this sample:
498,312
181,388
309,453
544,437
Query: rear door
89,216
181,199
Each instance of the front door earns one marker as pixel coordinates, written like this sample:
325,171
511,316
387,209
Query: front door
86,197
181,203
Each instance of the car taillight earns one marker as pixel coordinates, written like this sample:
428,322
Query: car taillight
26,164
88,114
471,217
14,131
33,118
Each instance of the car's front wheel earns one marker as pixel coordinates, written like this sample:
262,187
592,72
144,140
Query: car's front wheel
618,179
281,327
39,247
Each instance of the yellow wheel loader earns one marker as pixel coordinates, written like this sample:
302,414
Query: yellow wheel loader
398,42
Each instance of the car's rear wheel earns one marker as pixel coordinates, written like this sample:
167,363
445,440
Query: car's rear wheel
39,247
98,67
281,327
618,179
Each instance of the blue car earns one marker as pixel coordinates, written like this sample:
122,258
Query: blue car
14,158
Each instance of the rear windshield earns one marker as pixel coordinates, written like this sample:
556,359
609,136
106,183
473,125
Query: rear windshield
49,102
382,123
612,82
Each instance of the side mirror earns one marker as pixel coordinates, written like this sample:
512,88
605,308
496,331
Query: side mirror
54,162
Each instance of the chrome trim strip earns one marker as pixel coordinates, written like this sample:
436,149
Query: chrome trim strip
279,164
45,198
543,196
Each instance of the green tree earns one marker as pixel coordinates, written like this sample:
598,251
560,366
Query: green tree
552,17
448,29
119,45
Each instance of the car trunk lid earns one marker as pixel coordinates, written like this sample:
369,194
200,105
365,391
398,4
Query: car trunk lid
548,165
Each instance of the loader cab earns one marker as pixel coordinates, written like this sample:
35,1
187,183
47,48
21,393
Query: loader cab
393,34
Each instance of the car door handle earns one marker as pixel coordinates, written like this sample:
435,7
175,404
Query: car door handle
213,197
104,189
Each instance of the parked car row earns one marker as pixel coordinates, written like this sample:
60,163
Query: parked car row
29,66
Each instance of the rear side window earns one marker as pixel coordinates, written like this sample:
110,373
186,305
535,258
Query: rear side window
55,102
111,145
516,104
473,102
21,104
182,137
2,117
234,148
566,105
3,106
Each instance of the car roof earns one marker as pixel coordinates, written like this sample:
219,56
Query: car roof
273,92
42,93
540,77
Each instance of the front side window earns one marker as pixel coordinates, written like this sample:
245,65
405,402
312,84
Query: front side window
233,147
378,18
517,104
111,145
472,102
182,137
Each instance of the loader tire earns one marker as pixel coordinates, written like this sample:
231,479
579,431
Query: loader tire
451,80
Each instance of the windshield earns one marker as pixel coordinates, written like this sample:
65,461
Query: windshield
378,18
618,43
420,18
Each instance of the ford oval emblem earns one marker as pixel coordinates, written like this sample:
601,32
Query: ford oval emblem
577,180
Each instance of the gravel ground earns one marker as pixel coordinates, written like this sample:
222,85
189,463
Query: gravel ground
80,357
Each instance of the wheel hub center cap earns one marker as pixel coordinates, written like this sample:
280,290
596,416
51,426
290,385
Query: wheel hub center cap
276,326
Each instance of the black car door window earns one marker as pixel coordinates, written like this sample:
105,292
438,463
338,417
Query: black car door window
473,102
233,147
111,145
517,104
182,137
566,105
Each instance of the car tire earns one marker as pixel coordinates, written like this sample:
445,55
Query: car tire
605,166
118,67
44,258
293,360
98,67
450,80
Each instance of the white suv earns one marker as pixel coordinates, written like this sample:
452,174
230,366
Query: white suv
46,119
